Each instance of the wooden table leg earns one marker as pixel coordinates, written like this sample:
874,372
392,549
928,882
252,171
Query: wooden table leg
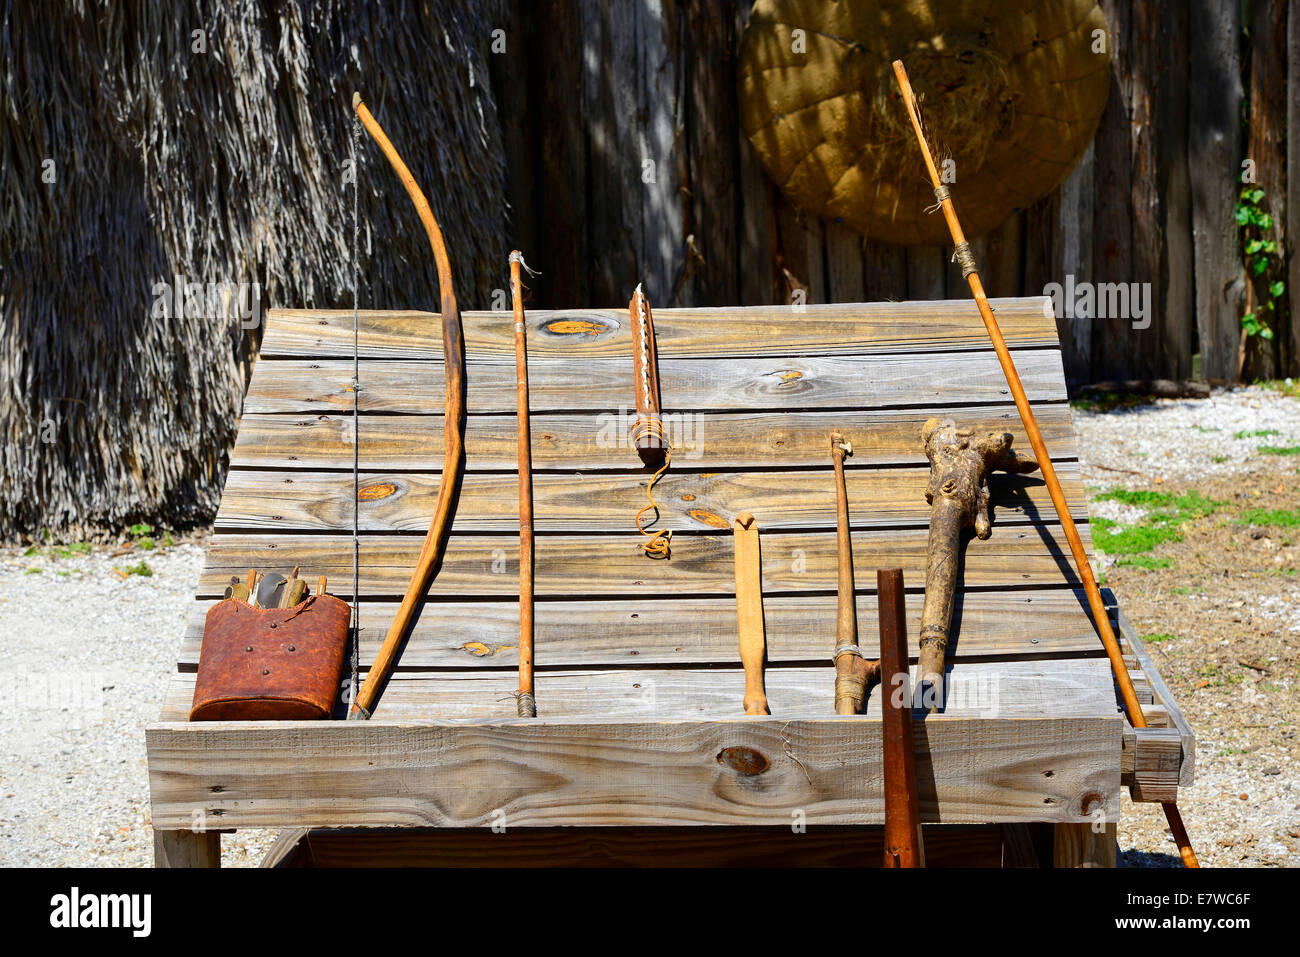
186,848
1078,845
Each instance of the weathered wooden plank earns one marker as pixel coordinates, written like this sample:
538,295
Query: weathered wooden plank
1068,687
927,268
885,271
322,501
800,628
1266,149
185,848
709,39
1151,762
562,160
705,441
1175,298
657,772
1086,845
844,268
1215,140
786,846
1075,215
1292,225
795,383
701,565
1112,255
1174,715
825,329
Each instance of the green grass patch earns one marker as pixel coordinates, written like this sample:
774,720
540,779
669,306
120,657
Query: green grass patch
1146,561
135,531
1165,512
1131,541
1286,386
1218,459
1263,516
1255,433
34,571
1278,449
1157,638
1109,401
142,569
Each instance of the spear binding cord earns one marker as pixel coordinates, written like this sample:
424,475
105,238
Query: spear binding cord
453,348
1100,618
527,704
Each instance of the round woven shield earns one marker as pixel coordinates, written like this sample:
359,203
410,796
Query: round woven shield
1010,92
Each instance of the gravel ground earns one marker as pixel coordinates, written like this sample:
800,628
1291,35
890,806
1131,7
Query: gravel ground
86,651
85,655
1219,609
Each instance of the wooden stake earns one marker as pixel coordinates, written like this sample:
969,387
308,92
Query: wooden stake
1099,615
749,610
527,702
904,846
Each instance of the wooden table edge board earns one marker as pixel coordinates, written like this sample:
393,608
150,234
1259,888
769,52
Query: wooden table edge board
620,773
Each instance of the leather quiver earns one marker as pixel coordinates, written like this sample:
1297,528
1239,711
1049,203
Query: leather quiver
266,664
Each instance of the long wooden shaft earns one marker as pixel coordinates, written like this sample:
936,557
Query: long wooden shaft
527,702
904,846
1084,569
846,615
853,673
453,347
749,610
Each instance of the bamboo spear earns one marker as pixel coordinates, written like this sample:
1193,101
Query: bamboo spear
1099,615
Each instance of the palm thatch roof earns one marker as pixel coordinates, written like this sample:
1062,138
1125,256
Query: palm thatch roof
145,141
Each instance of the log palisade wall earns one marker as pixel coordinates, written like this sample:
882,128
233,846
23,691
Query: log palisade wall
626,164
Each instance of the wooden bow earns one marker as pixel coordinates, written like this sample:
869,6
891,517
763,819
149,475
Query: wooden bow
453,462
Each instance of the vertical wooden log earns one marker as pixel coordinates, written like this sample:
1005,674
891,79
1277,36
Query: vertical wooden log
1074,218
1266,148
1002,260
630,98
708,62
884,272
1078,845
1112,258
800,253
187,848
517,83
1148,234
1214,139
1041,251
562,176
1293,181
757,266
844,266
927,269
1175,299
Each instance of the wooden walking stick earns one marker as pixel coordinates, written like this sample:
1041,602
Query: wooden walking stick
749,610
904,846
958,493
852,671
453,348
527,703
969,271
